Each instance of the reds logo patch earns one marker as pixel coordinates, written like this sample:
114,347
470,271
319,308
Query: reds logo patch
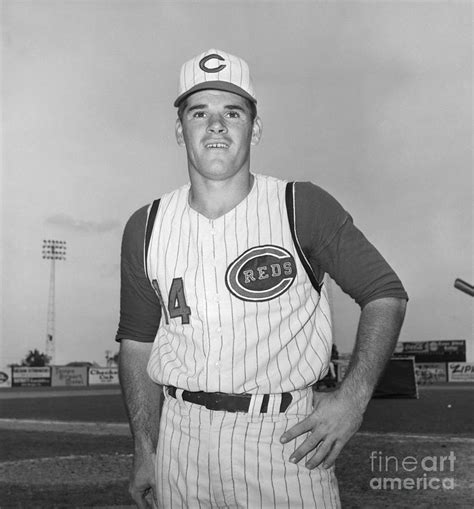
261,273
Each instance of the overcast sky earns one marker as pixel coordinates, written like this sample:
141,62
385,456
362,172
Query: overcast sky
372,101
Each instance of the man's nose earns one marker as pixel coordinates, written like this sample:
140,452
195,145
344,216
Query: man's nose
216,125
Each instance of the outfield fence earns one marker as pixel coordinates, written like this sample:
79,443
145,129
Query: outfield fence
58,376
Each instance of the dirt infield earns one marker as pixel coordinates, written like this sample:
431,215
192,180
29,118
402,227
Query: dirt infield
65,470
80,454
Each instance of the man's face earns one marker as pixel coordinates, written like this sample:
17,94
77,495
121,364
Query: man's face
217,130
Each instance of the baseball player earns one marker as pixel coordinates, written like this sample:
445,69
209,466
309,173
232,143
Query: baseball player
225,324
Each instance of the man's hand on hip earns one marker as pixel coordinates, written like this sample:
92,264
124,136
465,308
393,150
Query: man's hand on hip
334,420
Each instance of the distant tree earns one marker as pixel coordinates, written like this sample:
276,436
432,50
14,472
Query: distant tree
80,364
36,358
111,360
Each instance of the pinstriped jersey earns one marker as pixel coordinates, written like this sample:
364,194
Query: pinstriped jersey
239,311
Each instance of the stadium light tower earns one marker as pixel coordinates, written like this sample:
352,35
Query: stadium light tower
52,250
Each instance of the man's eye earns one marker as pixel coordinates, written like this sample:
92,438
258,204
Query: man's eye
198,114
233,114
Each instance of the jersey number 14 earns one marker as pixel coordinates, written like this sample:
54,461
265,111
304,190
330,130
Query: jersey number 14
177,305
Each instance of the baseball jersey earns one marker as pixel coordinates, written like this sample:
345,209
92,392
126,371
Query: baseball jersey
239,312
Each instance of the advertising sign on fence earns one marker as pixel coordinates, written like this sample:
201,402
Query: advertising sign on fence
430,372
5,377
69,376
103,376
23,376
449,350
461,372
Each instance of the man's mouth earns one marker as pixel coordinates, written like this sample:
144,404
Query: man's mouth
217,145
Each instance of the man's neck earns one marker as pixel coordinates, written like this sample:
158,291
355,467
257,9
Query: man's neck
215,198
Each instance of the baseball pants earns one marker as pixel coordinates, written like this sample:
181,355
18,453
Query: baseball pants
218,459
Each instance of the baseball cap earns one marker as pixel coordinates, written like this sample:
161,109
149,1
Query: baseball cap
217,70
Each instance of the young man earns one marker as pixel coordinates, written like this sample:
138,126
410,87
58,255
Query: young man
225,322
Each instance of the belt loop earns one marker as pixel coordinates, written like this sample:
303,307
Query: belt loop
255,405
274,404
179,394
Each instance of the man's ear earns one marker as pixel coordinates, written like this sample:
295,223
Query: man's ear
256,131
179,132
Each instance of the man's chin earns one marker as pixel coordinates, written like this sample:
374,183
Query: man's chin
218,169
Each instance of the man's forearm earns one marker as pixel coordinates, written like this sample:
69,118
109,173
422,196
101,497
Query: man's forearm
379,327
338,415
142,397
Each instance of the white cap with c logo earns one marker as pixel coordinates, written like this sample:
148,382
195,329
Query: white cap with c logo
217,70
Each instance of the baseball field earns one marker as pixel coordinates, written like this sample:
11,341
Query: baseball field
71,448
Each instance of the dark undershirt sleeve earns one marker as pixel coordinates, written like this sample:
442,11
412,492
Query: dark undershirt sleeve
140,310
335,246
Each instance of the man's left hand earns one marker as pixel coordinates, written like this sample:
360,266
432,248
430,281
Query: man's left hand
335,418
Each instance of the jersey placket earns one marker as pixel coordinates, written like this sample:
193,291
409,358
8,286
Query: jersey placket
214,321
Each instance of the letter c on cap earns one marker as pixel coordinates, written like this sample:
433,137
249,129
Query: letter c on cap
203,61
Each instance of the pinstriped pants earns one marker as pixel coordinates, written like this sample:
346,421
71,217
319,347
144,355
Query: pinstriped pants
216,459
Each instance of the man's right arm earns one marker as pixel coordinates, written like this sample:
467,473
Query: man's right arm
143,400
140,316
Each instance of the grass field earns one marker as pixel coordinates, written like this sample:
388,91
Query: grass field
84,465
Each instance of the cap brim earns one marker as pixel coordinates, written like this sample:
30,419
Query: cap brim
215,85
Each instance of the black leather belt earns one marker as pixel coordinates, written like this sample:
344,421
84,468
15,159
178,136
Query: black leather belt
228,402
